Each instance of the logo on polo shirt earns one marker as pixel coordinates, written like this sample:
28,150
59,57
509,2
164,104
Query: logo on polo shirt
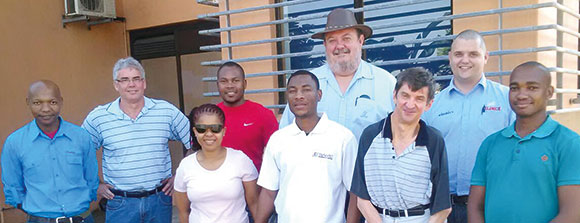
490,107
322,155
544,158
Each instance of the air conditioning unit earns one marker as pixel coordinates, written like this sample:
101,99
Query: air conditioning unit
94,8
209,2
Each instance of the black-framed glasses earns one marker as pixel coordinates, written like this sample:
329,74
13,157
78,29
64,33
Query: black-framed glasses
216,128
127,80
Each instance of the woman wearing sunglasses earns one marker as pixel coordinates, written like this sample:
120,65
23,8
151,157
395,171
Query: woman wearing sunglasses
215,183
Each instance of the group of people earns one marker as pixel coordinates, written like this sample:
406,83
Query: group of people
353,138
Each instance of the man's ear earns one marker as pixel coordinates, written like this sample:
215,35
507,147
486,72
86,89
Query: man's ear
319,94
395,96
429,104
485,57
361,39
550,92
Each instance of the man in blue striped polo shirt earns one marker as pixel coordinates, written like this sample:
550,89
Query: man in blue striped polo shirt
400,173
468,110
134,131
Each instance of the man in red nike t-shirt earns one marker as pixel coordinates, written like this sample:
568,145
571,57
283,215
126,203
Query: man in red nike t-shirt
248,124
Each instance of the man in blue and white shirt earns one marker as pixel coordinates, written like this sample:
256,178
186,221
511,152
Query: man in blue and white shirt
134,131
468,110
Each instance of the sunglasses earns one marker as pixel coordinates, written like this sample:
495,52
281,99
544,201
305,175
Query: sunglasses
216,128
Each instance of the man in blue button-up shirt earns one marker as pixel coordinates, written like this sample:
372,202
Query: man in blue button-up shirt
468,110
49,168
356,94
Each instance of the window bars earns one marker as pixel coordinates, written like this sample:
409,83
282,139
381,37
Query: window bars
387,23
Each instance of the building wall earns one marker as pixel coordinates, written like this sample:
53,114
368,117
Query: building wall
35,46
149,13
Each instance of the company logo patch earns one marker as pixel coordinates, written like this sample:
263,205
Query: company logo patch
490,107
544,158
445,113
323,155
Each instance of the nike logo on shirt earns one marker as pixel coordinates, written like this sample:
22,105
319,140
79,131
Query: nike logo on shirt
248,124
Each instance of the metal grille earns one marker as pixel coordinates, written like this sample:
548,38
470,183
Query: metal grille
403,23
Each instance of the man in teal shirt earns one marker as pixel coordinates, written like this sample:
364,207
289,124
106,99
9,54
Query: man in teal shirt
529,171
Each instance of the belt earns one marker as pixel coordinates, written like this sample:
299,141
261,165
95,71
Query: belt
459,199
415,211
137,194
74,219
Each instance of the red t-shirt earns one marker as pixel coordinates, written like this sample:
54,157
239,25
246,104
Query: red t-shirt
248,128
51,134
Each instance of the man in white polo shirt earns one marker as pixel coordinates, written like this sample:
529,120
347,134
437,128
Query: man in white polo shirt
307,166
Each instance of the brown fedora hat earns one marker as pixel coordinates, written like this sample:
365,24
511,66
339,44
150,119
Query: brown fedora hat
339,19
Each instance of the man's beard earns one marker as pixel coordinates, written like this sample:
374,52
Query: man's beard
348,66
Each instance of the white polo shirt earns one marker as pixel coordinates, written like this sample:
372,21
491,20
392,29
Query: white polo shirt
310,172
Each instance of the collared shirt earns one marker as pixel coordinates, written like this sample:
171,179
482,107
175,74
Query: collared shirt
135,151
367,99
465,120
521,176
417,176
310,172
50,177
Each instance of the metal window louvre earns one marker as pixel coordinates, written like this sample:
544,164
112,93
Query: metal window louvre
558,49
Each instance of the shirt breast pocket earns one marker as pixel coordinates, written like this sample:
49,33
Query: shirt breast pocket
74,163
34,172
327,161
492,121
74,159
366,112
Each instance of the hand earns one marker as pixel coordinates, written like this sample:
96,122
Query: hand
104,191
168,186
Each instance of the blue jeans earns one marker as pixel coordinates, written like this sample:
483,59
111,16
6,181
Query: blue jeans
88,219
458,213
155,208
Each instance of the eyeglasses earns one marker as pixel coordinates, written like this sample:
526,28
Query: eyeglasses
216,128
125,80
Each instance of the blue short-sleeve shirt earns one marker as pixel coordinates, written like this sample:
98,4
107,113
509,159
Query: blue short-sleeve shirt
368,98
136,151
465,120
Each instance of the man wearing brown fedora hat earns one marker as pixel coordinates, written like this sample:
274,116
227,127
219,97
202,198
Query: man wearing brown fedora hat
356,93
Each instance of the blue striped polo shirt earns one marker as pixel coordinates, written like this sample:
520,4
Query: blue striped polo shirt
135,151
